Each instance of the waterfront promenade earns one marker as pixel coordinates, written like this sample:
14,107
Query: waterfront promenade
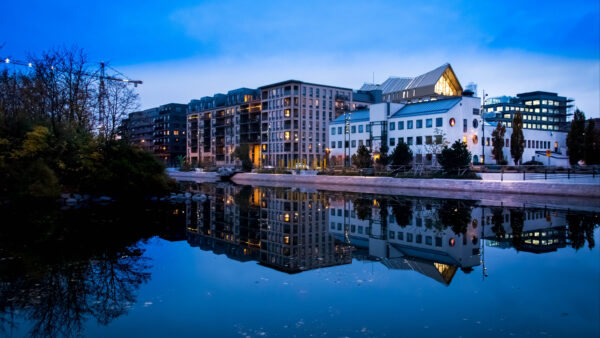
534,187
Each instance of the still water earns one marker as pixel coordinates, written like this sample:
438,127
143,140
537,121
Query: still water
240,261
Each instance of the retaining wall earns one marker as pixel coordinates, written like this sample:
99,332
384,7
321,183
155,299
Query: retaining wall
511,187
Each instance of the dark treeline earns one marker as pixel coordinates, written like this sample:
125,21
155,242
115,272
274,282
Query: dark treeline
59,131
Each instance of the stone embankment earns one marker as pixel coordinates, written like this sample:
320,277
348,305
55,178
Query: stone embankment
511,187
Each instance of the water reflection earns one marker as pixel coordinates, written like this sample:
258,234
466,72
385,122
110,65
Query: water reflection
59,269
293,230
280,228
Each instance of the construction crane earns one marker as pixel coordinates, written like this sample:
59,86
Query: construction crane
102,76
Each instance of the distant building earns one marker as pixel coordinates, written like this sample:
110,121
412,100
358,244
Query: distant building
139,128
540,110
169,133
160,131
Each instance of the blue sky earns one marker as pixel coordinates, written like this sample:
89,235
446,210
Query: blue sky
189,49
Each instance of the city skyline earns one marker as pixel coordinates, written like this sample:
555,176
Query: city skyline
190,50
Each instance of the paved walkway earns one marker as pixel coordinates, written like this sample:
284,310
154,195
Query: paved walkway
540,177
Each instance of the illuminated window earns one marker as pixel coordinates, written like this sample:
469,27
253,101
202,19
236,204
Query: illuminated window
452,122
175,132
475,139
287,135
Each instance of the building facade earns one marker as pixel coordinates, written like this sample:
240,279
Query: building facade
540,110
217,125
295,116
426,127
160,131
169,137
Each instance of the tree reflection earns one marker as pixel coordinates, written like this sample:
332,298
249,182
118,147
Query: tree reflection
363,207
581,228
456,214
497,221
517,219
65,268
403,211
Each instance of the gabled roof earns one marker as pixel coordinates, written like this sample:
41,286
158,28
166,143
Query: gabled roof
430,107
396,84
355,116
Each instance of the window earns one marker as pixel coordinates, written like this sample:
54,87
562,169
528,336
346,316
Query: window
419,140
409,237
464,125
392,235
419,239
439,121
409,124
353,129
476,111
360,128
400,139
392,141
333,144
340,130
428,240
353,143
475,123
438,241
419,124
368,128
392,126
400,125
409,140
339,144
400,235
438,139
428,139
428,123
333,131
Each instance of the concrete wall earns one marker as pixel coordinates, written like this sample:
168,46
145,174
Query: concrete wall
513,187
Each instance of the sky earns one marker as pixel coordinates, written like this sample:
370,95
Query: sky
184,50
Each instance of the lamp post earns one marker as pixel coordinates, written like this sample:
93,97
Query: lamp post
347,119
483,128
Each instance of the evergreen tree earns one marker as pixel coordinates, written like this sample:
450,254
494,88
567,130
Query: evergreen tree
362,158
498,142
575,138
384,157
517,140
242,153
402,155
591,148
455,158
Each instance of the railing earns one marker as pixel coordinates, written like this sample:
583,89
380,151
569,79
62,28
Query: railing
537,172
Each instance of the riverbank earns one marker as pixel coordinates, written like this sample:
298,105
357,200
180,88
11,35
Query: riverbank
466,186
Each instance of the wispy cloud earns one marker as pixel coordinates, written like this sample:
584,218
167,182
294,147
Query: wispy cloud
499,73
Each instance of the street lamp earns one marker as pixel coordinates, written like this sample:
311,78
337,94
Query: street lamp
483,128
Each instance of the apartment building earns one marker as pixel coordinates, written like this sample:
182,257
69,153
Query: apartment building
169,137
138,128
294,120
217,125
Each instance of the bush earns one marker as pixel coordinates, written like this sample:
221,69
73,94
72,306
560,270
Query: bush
533,163
455,158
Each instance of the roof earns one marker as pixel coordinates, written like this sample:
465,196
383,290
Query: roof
355,116
301,82
430,107
396,84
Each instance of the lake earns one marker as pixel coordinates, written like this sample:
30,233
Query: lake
241,261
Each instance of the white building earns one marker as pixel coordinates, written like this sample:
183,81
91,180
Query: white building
427,126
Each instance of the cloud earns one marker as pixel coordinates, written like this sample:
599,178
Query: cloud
505,72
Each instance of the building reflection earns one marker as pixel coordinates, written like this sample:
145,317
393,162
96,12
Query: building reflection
280,228
294,231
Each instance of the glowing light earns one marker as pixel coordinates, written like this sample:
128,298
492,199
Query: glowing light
452,122
451,242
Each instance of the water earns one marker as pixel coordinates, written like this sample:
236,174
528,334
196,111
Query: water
281,262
